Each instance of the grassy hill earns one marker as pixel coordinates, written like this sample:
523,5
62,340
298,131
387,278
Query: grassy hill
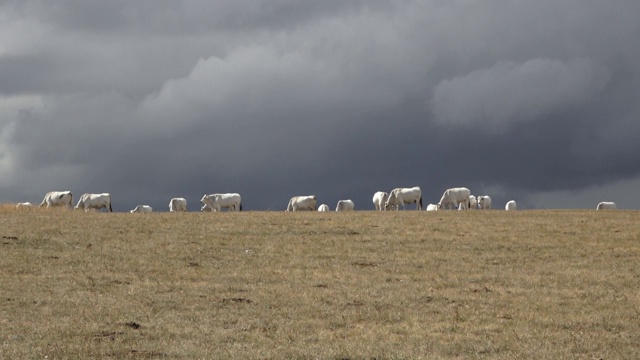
448,284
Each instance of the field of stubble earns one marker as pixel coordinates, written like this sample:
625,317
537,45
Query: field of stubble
448,284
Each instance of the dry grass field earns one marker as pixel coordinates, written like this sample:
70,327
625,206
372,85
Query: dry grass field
276,285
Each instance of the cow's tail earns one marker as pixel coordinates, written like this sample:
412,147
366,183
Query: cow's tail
110,209
240,206
420,202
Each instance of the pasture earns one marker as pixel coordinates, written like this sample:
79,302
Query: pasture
256,285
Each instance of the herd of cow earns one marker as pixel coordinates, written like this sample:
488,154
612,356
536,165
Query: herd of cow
454,198
212,202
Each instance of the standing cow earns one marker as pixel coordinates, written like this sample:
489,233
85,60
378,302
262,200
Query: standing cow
298,203
379,199
451,198
178,204
58,198
473,202
95,201
217,202
484,202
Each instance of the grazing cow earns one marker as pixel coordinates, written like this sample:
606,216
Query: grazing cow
454,196
606,205
323,207
178,204
511,205
379,199
345,205
24,206
484,202
58,198
142,209
402,196
432,207
217,202
473,202
302,203
95,201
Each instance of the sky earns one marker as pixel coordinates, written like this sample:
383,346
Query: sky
535,101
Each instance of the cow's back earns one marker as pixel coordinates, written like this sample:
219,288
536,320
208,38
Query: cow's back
345,205
54,198
606,205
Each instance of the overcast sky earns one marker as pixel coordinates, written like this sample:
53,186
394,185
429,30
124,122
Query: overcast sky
535,101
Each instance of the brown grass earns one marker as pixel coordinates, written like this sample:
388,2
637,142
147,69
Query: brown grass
255,285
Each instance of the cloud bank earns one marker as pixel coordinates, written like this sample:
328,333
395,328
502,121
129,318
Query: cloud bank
154,99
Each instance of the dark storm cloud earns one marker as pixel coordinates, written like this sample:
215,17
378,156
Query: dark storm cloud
154,99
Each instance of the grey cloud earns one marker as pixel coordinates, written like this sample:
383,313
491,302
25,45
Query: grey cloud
149,100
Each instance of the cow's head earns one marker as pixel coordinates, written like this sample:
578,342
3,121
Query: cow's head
391,200
481,200
204,198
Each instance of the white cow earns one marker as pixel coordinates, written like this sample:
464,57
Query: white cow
24,206
217,202
345,205
606,205
58,198
142,209
484,202
94,201
454,196
178,204
402,196
473,202
323,207
462,206
379,199
511,205
297,203
432,207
